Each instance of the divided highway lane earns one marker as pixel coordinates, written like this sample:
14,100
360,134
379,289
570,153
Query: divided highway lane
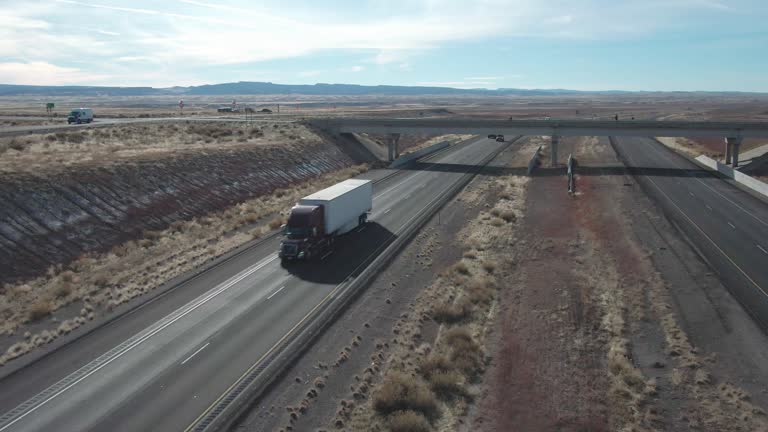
166,376
728,226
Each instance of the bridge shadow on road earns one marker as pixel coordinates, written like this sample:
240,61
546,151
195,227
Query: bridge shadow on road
584,170
351,254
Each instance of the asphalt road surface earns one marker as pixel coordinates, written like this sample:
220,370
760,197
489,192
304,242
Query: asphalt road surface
162,366
728,226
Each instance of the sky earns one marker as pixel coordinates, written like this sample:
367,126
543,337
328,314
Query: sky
654,45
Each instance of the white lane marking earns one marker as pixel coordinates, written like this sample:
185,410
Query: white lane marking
762,249
274,293
685,215
691,194
407,196
195,353
411,179
732,225
326,256
711,188
141,338
708,207
387,210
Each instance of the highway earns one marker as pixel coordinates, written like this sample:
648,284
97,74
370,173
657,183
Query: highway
163,366
727,225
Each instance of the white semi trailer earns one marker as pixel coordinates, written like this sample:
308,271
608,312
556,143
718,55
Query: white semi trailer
318,219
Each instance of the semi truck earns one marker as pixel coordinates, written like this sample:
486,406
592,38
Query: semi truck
80,115
318,219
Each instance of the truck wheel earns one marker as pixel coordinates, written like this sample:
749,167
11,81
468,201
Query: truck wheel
362,219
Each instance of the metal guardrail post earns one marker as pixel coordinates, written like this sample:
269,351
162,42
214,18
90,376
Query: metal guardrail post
571,184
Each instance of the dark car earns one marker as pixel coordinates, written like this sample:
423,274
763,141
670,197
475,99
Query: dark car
491,136
500,138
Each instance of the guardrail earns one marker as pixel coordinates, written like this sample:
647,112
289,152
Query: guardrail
230,407
752,183
535,161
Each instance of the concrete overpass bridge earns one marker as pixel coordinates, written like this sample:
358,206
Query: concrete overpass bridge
732,132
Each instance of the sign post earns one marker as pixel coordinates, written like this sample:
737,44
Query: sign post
181,107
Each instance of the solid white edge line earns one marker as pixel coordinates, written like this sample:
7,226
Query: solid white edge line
762,249
195,353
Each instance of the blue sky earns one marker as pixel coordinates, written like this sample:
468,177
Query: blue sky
585,45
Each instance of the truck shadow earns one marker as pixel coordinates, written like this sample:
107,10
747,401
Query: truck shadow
351,254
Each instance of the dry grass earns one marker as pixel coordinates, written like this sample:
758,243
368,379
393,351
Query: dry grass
408,421
461,268
135,268
481,291
35,152
497,222
466,354
433,364
40,310
448,385
399,392
451,313
489,266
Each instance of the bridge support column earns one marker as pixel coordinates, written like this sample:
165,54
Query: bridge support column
735,144
728,150
394,151
553,150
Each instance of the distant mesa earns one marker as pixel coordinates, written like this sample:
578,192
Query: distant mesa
267,88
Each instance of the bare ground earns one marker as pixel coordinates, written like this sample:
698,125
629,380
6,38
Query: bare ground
591,336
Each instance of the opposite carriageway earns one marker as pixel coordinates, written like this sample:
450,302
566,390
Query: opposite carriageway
732,132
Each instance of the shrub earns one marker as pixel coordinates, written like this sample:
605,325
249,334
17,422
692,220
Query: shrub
408,421
497,222
276,223
452,312
62,289
466,354
470,255
16,145
433,364
480,291
68,276
40,310
461,268
509,216
447,385
399,392
489,266
496,212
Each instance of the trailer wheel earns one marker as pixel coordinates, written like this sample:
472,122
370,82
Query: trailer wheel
362,219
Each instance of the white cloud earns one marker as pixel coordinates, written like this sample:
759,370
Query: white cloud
193,34
310,73
42,73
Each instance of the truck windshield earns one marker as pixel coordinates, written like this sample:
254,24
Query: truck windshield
75,113
296,232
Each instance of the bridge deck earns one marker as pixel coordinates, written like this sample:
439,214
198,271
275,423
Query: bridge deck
548,127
